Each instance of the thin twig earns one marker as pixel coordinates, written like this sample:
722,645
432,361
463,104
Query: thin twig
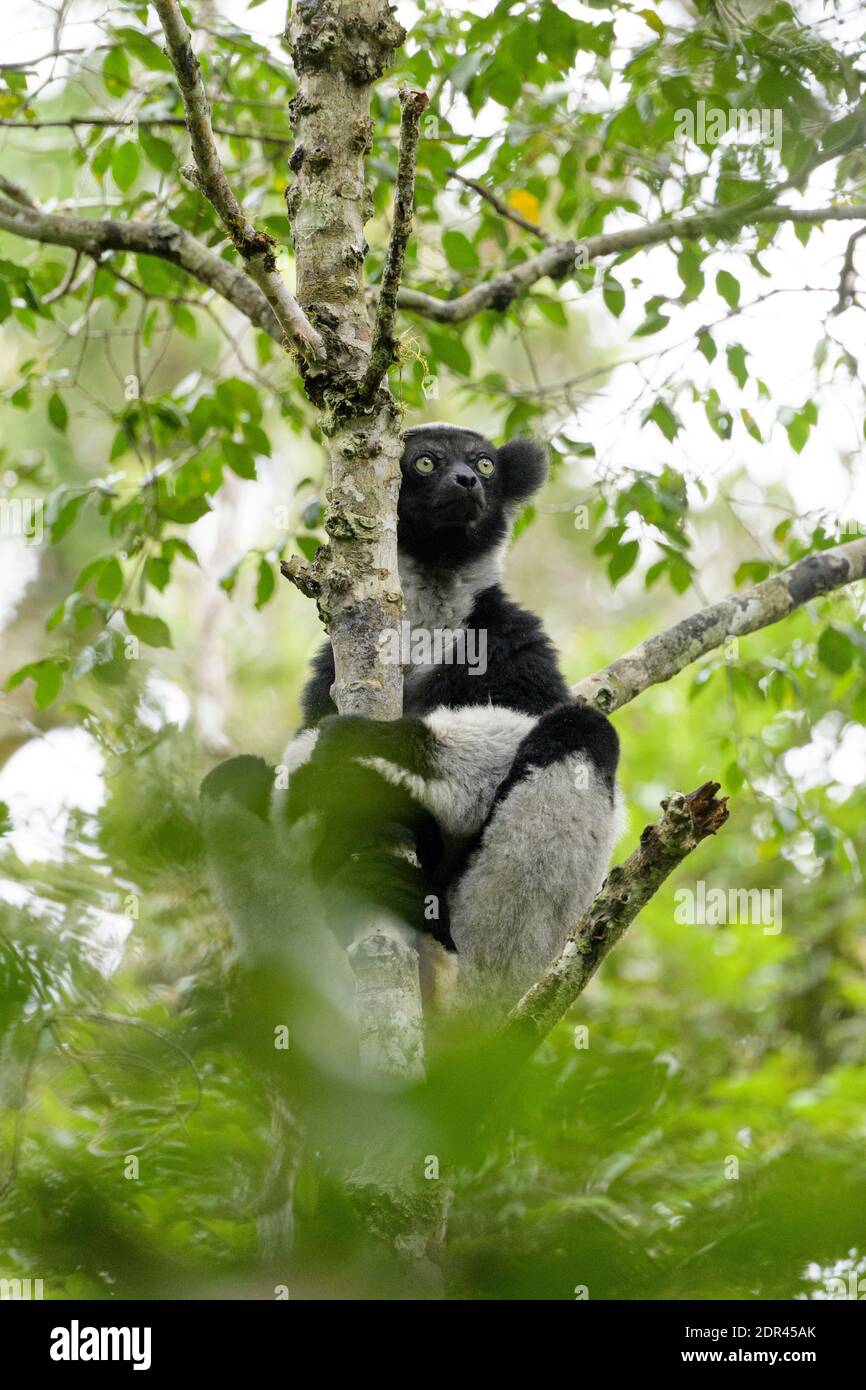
504,209
384,348
66,283
848,278
143,123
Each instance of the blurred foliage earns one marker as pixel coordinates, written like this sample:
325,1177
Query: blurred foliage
175,455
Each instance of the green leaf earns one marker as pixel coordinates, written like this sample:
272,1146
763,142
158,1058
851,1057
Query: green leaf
798,429
655,320
835,650
720,420
622,560
157,151
662,415
175,546
690,272
552,310
239,459
115,73
157,572
840,130
184,319
67,515
751,426
47,677
558,35
653,20
265,583
308,546
158,277
109,581
613,295
143,49
751,572
148,629
609,540
728,287
733,777
57,412
184,510
125,164
706,345
736,355
459,251
449,350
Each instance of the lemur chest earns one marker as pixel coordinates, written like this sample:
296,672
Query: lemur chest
437,633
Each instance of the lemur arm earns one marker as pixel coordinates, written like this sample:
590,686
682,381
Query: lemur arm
316,702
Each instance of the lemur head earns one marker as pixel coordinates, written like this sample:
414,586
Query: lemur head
459,492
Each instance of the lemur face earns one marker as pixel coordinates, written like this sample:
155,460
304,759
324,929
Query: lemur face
459,491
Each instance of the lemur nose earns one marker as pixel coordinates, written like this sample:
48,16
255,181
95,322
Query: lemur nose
467,480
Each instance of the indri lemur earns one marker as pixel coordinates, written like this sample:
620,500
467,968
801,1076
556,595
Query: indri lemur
504,785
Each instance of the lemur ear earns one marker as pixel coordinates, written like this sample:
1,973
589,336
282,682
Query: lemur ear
523,467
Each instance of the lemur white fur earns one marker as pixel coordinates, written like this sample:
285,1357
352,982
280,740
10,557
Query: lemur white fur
448,599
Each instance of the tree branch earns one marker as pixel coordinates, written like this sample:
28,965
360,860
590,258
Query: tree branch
143,122
255,248
384,349
561,257
669,652
94,237
687,820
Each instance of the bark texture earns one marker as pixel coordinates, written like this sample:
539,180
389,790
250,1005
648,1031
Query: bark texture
340,47
390,1018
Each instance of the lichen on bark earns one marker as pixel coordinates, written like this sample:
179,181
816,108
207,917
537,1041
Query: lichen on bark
339,48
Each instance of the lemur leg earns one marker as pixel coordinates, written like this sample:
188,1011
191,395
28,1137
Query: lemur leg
540,856
451,763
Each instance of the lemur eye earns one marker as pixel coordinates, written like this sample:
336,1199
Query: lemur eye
424,464
485,467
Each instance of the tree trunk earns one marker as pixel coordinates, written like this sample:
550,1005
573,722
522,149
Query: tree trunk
340,47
